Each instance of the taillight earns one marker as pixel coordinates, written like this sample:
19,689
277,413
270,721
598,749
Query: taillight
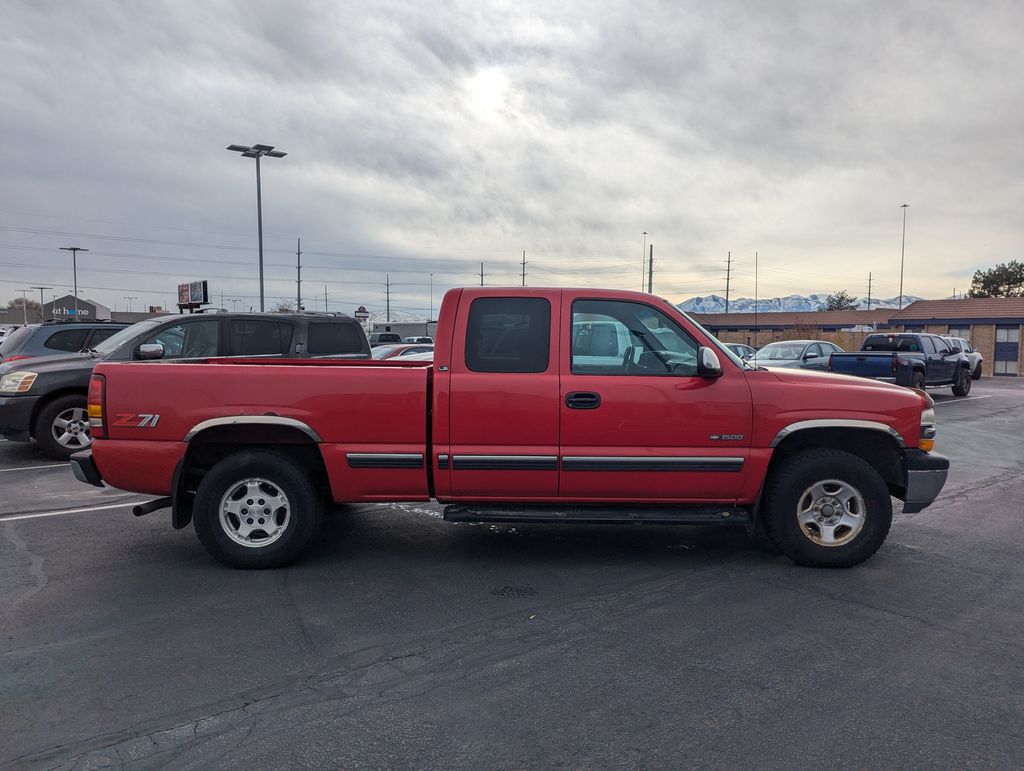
96,402
15,358
895,363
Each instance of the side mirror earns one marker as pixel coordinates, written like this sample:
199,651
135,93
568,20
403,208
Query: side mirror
708,364
151,351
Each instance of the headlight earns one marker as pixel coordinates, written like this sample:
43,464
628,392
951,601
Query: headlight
17,382
927,440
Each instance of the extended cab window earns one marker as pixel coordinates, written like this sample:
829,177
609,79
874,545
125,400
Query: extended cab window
614,337
508,334
259,337
188,340
329,337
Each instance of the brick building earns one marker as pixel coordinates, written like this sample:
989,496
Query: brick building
993,325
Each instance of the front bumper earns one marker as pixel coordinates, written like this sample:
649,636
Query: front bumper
924,475
85,470
16,417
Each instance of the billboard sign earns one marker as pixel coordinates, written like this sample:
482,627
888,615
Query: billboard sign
193,294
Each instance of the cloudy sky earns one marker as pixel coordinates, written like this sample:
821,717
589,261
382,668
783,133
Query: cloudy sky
428,137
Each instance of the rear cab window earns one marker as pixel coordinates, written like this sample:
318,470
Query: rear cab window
902,343
509,335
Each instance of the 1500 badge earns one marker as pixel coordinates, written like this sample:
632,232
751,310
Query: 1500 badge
136,420
726,437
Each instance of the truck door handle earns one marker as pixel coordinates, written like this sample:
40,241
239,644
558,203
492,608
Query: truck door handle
582,400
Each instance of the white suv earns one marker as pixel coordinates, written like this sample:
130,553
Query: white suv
959,344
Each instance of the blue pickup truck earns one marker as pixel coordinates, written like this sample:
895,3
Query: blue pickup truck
908,359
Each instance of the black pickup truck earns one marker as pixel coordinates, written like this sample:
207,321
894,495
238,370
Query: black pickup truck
908,359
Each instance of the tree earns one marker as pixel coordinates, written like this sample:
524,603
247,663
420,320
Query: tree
839,301
285,306
17,302
1004,280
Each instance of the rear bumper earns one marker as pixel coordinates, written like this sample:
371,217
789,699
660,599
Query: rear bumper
84,468
924,475
16,417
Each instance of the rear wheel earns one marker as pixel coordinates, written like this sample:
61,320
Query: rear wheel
257,509
827,508
62,427
962,385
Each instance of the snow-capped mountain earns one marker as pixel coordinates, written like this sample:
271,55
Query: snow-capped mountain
399,317
714,303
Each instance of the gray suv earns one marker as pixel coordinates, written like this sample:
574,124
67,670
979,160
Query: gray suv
52,338
45,399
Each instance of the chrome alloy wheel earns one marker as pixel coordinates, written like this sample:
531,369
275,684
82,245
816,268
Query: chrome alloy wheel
71,428
254,512
830,512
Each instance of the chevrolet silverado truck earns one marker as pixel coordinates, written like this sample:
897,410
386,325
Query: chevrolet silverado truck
908,359
521,417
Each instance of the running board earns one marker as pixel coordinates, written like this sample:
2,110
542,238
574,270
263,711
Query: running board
601,515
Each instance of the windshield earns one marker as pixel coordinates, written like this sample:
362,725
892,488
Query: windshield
718,343
114,342
780,351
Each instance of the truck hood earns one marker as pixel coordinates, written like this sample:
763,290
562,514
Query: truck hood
60,363
811,377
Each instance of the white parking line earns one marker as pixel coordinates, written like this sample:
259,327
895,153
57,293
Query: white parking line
34,468
963,399
69,511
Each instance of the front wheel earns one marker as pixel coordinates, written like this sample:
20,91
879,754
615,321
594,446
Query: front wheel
918,381
62,427
827,508
257,509
962,385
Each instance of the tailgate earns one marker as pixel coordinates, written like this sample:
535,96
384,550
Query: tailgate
864,364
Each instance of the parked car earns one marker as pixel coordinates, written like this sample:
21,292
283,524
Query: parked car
422,339
973,356
384,338
53,338
802,354
44,399
514,423
399,351
745,352
909,359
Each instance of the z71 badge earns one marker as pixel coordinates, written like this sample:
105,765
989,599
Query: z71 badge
136,420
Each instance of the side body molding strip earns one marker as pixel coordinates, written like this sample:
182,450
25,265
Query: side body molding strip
253,420
837,423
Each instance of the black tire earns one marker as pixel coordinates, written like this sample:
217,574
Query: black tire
962,386
299,523
917,381
787,492
76,431
976,375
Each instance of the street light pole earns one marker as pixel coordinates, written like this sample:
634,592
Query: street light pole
643,258
129,299
903,247
41,288
74,266
257,152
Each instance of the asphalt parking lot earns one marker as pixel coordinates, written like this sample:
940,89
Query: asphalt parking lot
407,641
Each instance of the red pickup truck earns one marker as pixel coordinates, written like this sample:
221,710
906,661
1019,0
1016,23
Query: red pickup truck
541,405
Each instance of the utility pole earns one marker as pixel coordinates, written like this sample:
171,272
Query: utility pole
24,304
903,247
643,254
387,298
74,266
325,299
728,277
431,316
524,267
41,288
298,275
869,290
650,271
481,274
755,299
